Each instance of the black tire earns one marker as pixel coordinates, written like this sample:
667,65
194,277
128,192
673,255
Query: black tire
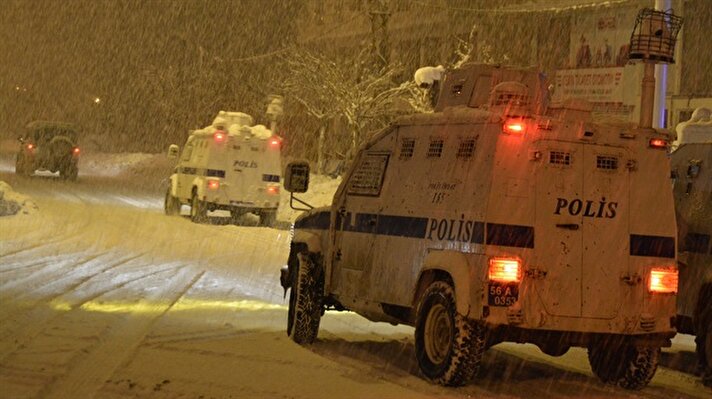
21,167
171,204
704,349
305,301
235,217
70,172
448,346
625,366
268,218
198,209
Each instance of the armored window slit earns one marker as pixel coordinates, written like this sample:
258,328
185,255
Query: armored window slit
606,162
435,150
559,158
466,148
407,149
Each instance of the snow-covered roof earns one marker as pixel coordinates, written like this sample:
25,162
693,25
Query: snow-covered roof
427,75
696,130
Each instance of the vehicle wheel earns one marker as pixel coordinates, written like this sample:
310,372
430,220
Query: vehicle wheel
267,218
305,301
68,171
171,204
198,209
235,217
448,346
72,173
704,349
21,167
628,366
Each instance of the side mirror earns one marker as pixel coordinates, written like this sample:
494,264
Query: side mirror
296,178
173,151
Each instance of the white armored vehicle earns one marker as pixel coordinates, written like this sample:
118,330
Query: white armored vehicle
692,176
498,218
230,165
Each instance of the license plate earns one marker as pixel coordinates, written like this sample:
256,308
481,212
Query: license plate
502,294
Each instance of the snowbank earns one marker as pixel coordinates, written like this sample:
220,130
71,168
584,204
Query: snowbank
12,203
321,193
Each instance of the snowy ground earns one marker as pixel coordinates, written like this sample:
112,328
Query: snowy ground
103,296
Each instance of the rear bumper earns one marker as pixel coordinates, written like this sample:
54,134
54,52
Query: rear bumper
500,333
214,206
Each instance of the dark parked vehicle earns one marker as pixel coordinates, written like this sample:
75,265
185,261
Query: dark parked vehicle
48,146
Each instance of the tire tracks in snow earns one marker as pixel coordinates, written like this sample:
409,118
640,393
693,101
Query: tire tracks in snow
88,373
40,318
62,282
47,272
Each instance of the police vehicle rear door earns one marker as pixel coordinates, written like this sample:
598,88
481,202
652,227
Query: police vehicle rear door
605,225
582,228
558,232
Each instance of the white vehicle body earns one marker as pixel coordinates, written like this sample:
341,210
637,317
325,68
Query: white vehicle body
230,165
548,227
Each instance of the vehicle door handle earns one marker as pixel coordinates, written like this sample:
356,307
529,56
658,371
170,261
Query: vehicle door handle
570,226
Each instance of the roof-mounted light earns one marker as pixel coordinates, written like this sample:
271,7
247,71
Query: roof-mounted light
220,136
658,143
515,127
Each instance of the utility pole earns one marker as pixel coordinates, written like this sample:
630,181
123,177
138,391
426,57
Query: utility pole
379,15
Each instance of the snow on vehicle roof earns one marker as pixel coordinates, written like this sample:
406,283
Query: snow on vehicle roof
229,118
236,124
427,75
696,130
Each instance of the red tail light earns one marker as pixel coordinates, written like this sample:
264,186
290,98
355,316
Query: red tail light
213,184
30,146
515,127
273,190
505,270
275,141
219,136
658,143
75,151
663,280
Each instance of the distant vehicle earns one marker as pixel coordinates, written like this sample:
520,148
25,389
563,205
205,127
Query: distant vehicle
498,218
50,146
229,165
692,176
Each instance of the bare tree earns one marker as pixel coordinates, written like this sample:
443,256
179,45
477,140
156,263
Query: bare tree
329,89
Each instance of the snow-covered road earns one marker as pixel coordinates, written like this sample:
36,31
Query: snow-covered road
103,296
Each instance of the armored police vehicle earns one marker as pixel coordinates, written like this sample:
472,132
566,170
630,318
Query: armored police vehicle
48,146
230,165
499,217
692,177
